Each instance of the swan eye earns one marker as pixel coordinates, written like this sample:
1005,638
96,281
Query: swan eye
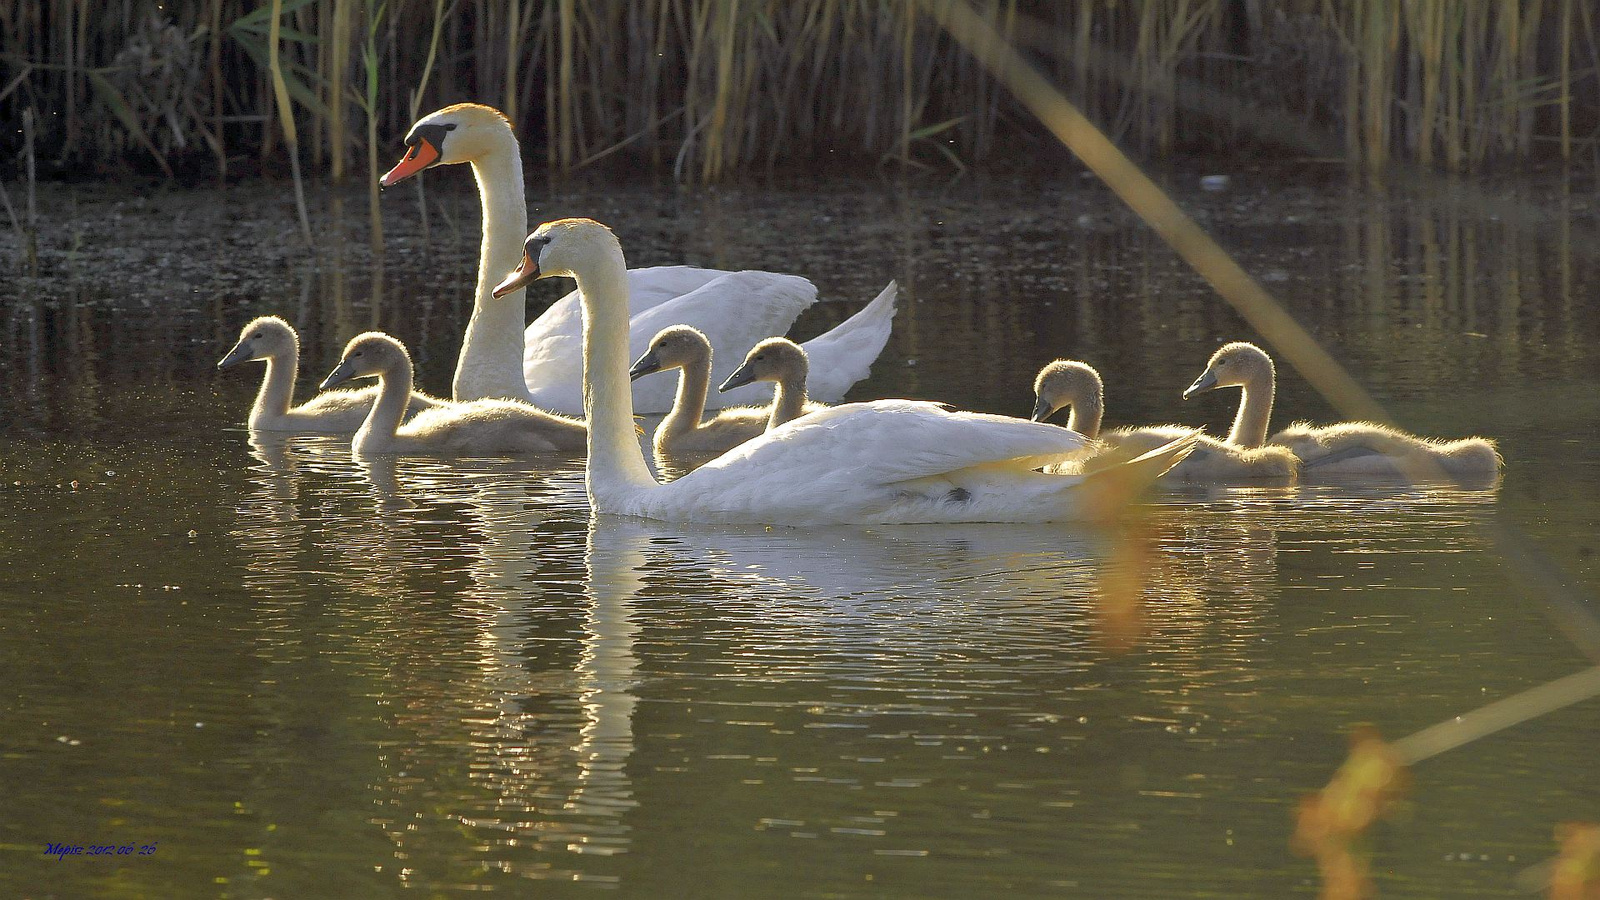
357,353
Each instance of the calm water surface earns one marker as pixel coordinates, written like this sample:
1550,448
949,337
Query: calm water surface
299,675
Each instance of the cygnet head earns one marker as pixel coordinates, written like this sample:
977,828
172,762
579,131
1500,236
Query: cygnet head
1064,383
268,337
1234,365
372,353
774,359
456,134
672,348
556,248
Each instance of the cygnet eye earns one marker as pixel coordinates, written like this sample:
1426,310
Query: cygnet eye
760,357
357,353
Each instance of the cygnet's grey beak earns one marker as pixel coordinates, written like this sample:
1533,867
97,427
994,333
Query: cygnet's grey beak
341,373
519,277
237,355
647,363
1206,381
1042,410
740,377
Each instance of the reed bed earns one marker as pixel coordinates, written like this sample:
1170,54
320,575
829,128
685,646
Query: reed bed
706,88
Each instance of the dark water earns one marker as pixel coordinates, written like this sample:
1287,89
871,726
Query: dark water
295,675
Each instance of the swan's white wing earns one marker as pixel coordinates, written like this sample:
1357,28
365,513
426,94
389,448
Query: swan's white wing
845,463
844,355
553,344
736,312
734,309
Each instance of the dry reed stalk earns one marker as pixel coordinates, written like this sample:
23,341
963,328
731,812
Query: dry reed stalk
369,105
29,118
416,105
280,92
565,124
216,90
338,62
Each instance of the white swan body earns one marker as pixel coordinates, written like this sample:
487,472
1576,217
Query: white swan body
887,461
543,362
274,341
683,442
1347,449
1077,386
473,428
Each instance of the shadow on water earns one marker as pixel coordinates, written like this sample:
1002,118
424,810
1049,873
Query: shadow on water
304,674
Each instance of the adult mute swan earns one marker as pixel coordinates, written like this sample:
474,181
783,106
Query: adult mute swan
271,339
886,461
473,428
502,356
1345,449
682,441
1077,386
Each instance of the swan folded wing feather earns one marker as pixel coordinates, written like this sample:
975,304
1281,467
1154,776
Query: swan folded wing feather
844,355
884,442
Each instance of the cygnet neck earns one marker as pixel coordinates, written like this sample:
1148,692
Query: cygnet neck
789,396
383,420
694,383
1087,414
277,387
1255,409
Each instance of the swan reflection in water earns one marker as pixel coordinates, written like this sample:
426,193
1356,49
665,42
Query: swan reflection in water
515,637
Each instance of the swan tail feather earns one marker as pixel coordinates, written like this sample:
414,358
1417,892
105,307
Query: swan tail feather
844,355
1105,493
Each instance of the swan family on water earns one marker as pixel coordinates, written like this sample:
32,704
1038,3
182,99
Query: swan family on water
779,448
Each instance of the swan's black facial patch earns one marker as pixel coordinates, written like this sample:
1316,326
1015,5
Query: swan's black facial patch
433,134
535,245
958,495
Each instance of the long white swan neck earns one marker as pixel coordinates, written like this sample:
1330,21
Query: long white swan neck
1086,416
383,420
788,399
277,387
1255,409
694,382
616,465
490,364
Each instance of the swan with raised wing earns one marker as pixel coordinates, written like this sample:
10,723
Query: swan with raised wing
1077,387
885,461
1342,450
272,340
502,356
471,428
